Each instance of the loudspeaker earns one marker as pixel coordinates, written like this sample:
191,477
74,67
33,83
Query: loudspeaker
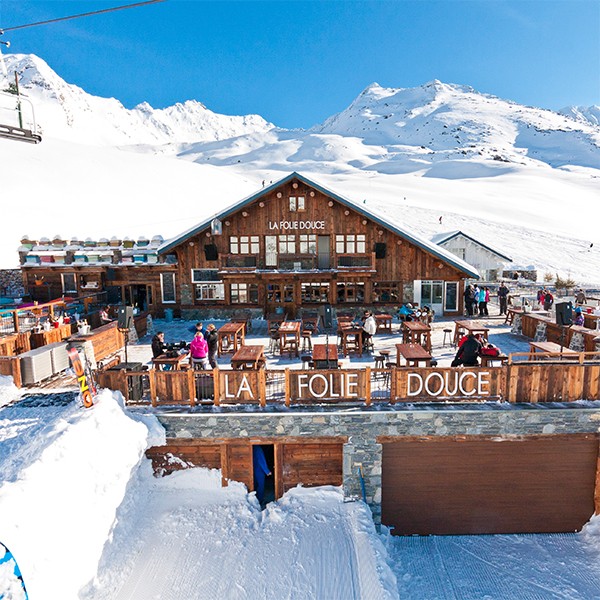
564,313
211,252
380,250
125,317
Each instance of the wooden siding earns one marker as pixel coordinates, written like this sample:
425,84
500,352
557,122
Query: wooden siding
311,464
477,484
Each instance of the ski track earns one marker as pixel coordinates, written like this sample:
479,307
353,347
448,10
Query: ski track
496,567
297,552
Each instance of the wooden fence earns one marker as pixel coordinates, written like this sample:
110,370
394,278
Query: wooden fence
531,381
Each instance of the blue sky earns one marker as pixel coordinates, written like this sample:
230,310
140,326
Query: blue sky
296,63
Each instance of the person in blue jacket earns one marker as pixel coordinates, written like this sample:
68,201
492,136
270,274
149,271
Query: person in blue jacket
261,471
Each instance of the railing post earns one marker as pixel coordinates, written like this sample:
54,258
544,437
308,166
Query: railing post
287,387
216,387
368,386
152,381
191,380
262,387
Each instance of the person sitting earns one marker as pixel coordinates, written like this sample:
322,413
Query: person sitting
579,318
489,350
158,344
105,315
405,312
199,352
468,352
369,329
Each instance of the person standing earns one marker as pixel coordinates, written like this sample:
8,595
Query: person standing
469,296
369,329
212,339
199,351
261,471
580,299
482,302
548,300
503,292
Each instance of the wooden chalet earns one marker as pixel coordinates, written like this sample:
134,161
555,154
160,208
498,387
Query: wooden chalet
291,245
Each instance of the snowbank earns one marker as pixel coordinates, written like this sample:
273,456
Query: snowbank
63,474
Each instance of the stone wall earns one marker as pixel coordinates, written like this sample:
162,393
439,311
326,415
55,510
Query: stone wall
11,283
362,452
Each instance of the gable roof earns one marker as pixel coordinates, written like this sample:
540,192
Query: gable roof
380,219
441,238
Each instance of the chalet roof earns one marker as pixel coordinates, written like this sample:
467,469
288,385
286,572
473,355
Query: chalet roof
441,238
380,219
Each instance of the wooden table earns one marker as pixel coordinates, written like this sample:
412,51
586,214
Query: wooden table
487,360
591,320
466,327
413,354
249,357
325,356
416,332
552,348
230,337
384,322
351,337
511,312
175,363
289,337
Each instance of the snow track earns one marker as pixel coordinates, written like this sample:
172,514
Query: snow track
199,544
496,567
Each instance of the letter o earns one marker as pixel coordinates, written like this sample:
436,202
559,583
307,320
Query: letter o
430,377
325,385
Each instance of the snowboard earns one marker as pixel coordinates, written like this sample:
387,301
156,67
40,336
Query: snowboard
87,386
12,586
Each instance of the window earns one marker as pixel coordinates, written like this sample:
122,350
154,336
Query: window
386,291
297,203
451,303
69,283
350,292
287,244
244,244
280,292
243,293
202,275
167,287
431,292
209,291
315,292
351,244
308,244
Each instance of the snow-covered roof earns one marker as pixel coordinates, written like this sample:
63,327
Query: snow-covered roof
380,219
440,238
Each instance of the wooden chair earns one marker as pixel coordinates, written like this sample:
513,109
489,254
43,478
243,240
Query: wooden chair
447,337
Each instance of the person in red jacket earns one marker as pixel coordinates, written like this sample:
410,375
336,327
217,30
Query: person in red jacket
199,352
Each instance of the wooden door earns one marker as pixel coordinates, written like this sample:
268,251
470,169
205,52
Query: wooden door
479,484
323,252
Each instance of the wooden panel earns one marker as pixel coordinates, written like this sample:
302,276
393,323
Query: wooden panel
106,340
11,366
53,335
171,387
237,465
182,454
311,464
478,484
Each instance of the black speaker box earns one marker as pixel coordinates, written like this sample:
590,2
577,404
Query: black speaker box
380,250
211,252
125,317
564,313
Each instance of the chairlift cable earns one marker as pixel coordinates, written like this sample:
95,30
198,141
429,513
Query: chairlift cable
95,12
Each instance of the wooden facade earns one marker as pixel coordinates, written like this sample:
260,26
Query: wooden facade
307,461
292,245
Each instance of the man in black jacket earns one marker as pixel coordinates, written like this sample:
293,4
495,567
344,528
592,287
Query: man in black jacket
468,352
503,297
158,344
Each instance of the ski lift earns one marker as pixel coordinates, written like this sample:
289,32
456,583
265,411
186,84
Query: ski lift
30,132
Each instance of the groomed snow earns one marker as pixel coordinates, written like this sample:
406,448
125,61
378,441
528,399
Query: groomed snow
85,518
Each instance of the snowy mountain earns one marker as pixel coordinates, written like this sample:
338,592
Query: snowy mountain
67,112
520,179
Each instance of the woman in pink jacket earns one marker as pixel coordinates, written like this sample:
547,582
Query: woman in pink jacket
199,352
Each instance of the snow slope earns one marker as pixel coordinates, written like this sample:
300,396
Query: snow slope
522,179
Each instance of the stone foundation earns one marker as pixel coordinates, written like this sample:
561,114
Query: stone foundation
363,452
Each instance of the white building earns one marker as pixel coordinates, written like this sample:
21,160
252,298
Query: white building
489,262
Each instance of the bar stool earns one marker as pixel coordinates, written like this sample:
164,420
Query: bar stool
388,374
380,362
306,340
447,337
306,361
